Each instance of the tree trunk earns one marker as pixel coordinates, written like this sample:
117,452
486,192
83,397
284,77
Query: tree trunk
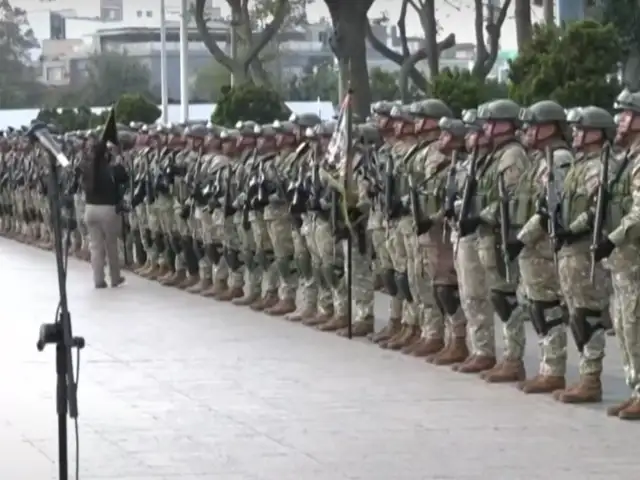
353,28
524,30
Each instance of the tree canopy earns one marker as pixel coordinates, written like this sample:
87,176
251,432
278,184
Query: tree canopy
574,66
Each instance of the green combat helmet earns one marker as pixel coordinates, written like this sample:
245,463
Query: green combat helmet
305,120
628,101
368,134
471,120
383,108
544,112
504,110
455,127
593,118
431,108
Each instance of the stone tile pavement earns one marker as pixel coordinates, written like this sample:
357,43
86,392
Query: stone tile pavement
175,386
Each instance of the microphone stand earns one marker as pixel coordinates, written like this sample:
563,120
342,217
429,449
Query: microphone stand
59,332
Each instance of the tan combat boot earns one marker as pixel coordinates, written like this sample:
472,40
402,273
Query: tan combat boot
215,289
319,319
247,299
455,352
336,323
230,294
426,347
615,410
309,311
201,286
360,328
189,282
587,390
392,338
505,371
543,384
391,328
282,307
175,279
164,274
632,411
411,334
268,300
476,364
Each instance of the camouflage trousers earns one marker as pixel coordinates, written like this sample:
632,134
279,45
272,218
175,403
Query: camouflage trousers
580,293
513,328
211,226
625,313
261,271
384,264
334,266
279,229
315,291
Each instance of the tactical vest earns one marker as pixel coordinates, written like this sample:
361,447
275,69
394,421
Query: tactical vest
620,196
435,183
575,197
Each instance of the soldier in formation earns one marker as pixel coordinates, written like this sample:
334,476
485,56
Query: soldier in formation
506,215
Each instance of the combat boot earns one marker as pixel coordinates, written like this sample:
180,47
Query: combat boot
392,338
505,371
426,347
299,315
615,410
201,286
175,279
456,351
390,329
336,323
543,384
632,412
268,300
215,289
411,334
246,300
587,390
360,328
143,268
408,348
319,319
189,282
476,364
282,307
165,274
230,294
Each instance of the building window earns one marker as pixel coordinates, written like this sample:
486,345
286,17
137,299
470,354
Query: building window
111,14
139,13
55,74
149,14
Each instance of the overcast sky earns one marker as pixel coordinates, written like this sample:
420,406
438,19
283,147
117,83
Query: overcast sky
454,15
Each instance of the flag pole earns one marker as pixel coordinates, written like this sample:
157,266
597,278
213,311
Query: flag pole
347,185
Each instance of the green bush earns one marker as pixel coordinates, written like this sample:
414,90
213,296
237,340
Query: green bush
461,90
575,66
249,102
136,108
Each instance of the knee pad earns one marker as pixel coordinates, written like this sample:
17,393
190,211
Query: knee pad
584,323
402,282
447,298
546,315
504,303
389,280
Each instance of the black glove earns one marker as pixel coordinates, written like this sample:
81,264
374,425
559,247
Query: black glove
513,248
469,225
604,249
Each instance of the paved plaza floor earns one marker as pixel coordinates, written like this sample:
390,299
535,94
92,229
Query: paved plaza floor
176,386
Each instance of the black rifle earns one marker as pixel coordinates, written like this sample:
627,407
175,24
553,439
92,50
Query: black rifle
504,225
602,200
468,193
553,204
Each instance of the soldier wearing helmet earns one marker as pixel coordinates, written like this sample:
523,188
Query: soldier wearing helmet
422,333
545,128
499,119
619,246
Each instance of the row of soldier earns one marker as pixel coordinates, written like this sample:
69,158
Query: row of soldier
462,221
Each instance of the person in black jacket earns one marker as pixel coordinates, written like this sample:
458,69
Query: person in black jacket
103,182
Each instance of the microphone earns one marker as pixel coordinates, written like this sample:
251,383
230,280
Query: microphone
39,131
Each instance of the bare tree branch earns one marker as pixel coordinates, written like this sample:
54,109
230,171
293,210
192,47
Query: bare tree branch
417,78
208,40
268,32
402,28
416,57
